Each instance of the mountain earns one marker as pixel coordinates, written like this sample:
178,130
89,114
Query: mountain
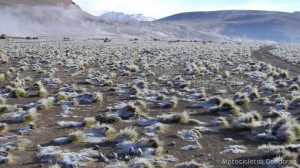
62,18
242,24
123,16
65,18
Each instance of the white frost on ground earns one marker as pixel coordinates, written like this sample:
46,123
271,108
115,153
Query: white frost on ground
52,154
190,135
234,149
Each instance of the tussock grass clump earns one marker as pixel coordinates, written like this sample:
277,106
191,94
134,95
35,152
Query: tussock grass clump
44,104
229,106
62,96
285,74
295,103
220,121
161,128
141,84
98,97
3,58
32,126
127,134
126,73
7,158
110,131
43,93
89,122
241,99
2,100
254,94
19,92
133,68
19,145
2,77
3,109
293,87
75,137
30,116
283,129
280,153
132,109
226,74
112,75
161,97
288,128
8,74
38,85
3,127
247,121
191,164
183,118
140,104
171,103
269,88
108,82
74,102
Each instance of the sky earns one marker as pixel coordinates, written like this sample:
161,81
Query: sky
162,8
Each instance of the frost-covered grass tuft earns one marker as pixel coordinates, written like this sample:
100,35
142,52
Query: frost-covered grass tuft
3,127
2,100
76,137
89,121
62,96
127,134
192,164
45,103
30,116
19,92
183,118
228,105
2,77
247,121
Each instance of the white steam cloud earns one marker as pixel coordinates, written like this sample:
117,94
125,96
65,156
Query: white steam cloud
24,20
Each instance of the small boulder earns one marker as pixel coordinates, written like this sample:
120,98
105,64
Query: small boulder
3,36
107,40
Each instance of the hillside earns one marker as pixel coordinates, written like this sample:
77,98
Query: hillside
243,24
64,18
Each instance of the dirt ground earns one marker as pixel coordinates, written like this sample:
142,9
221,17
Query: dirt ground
212,143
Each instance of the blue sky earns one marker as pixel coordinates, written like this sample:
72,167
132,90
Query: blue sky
162,8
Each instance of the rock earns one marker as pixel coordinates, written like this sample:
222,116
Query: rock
106,40
96,147
172,143
3,36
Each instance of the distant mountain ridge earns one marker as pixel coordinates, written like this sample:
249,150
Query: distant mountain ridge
123,17
65,18
62,18
243,24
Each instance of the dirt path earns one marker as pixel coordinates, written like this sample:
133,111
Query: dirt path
263,55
